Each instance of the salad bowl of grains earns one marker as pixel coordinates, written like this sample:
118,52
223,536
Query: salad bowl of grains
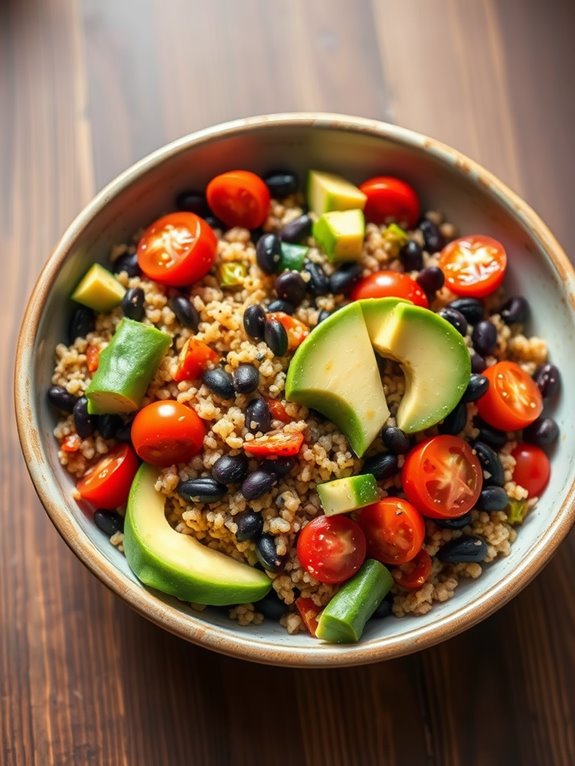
291,387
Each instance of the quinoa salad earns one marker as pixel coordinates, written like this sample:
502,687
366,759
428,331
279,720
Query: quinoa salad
324,383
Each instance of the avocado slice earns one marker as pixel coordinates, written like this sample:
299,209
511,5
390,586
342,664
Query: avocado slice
99,289
340,234
376,311
348,494
335,371
178,564
433,357
326,191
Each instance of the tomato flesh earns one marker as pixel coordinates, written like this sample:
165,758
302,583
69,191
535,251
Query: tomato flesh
390,199
194,359
296,331
474,265
442,477
394,530
166,432
107,484
278,410
415,573
331,548
239,198
309,612
177,249
512,401
532,468
274,444
390,284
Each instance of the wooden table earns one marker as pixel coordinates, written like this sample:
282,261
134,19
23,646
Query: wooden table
86,88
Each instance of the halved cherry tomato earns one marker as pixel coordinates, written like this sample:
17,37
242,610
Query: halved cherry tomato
193,360
473,265
296,331
274,444
92,357
390,199
239,198
390,284
166,432
331,548
71,443
532,468
278,411
394,530
107,484
512,401
415,573
442,477
309,612
177,249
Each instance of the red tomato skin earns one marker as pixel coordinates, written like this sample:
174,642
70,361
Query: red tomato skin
483,287
532,468
195,256
296,331
498,412
110,491
316,548
390,284
390,198
382,524
278,410
275,444
239,198
415,574
193,360
167,432
411,475
309,612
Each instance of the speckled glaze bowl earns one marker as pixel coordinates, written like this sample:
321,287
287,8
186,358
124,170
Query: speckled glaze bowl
356,148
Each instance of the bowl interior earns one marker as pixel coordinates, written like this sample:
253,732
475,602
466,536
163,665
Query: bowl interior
356,149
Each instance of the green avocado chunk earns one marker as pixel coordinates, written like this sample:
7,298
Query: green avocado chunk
344,618
99,289
326,191
348,494
126,367
340,234
178,564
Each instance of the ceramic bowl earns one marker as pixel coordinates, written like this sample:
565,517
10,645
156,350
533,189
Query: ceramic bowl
356,148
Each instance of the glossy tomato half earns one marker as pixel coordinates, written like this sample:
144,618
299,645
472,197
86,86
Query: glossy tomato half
177,249
390,284
239,198
394,530
532,468
512,401
166,432
390,199
415,573
107,484
331,548
474,265
442,477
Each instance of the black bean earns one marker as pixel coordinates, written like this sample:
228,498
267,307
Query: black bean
281,183
186,313
258,483
283,306
382,466
543,432
193,201
384,608
127,262
318,280
82,321
108,425
230,469
268,555
275,336
493,437
250,525
458,522
484,337
466,549
254,321
61,399
342,280
124,432
396,440
491,463
290,286
548,379
455,422
471,308
323,314
213,222
281,466
258,416
133,304
492,499
109,522
431,235
84,423
297,230
269,253
246,379
478,364
476,388
515,310
271,606
202,490
219,382
411,255
455,318
431,279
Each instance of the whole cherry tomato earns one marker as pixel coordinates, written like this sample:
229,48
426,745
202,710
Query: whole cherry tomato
390,284
532,468
394,530
390,199
239,198
166,432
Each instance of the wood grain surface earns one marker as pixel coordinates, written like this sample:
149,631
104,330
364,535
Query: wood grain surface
86,88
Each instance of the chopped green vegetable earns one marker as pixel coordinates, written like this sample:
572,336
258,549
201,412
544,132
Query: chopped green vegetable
395,237
292,256
232,274
516,511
